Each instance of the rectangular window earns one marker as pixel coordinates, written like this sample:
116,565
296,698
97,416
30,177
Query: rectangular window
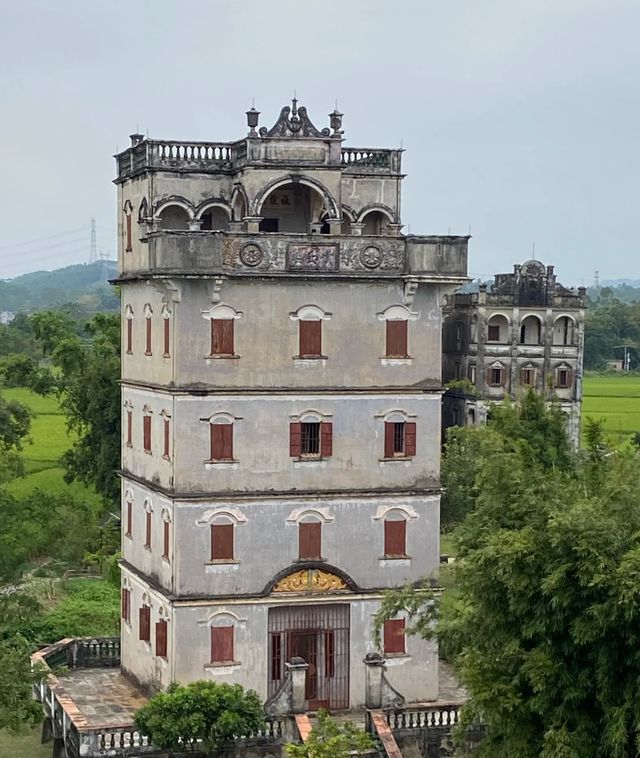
165,539
563,378
395,539
129,335
146,433
221,442
393,637
165,437
310,540
276,656
129,428
495,377
166,330
126,605
144,623
147,349
129,518
527,376
221,644
399,439
472,373
128,247
310,443
310,335
161,638
222,336
493,333
147,529
397,339
221,542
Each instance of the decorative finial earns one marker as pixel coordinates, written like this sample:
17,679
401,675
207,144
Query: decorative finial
335,121
252,120
294,103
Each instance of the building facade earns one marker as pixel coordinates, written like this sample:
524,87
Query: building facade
281,396
525,331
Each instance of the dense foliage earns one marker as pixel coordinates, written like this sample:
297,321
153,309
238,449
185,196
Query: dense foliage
15,421
209,712
544,624
332,739
86,378
610,325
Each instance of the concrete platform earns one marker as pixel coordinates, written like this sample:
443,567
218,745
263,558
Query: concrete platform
100,697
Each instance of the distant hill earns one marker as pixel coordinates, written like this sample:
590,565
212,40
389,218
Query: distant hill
84,283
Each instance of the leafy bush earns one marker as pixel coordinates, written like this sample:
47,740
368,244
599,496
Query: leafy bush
332,739
206,715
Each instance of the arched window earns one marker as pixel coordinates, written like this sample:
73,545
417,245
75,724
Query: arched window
222,538
310,436
222,335
148,315
531,331
166,331
146,429
128,210
214,218
128,411
310,538
310,318
399,436
128,496
375,223
173,217
166,534
166,434
162,629
128,313
396,319
148,512
563,331
498,329
221,438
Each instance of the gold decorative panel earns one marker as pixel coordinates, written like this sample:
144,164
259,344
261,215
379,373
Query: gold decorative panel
310,580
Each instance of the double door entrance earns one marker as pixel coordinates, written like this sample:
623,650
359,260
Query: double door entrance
319,635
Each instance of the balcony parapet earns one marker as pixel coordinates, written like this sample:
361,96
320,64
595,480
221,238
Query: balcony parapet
202,253
365,160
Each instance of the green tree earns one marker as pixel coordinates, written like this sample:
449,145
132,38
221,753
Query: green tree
87,381
211,713
17,706
332,739
545,629
15,422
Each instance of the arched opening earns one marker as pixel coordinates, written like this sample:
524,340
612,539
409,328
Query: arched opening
375,224
214,219
173,217
530,331
563,331
498,329
239,205
292,208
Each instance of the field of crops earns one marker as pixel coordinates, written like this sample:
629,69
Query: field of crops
614,398
49,439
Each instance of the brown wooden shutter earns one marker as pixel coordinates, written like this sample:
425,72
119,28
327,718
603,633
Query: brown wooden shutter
222,542
161,638
397,339
310,333
166,332
125,604
129,335
146,433
222,442
326,439
144,623
410,438
165,438
395,538
129,517
310,540
148,336
222,336
389,431
295,439
165,539
147,537
221,644
393,636
128,247
129,427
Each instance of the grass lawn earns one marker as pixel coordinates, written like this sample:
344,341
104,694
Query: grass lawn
616,400
49,440
25,745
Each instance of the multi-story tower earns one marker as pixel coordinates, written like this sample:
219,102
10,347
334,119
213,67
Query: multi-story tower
281,390
525,331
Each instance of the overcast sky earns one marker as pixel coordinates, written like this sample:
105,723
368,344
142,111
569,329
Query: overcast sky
520,118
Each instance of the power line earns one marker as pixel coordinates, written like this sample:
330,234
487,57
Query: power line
43,239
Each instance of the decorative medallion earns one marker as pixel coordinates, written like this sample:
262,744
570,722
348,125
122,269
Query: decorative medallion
251,255
312,258
310,580
371,257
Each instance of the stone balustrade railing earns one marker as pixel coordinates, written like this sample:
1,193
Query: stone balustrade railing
443,715
358,158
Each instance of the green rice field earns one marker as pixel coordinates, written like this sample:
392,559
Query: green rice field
49,439
614,398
